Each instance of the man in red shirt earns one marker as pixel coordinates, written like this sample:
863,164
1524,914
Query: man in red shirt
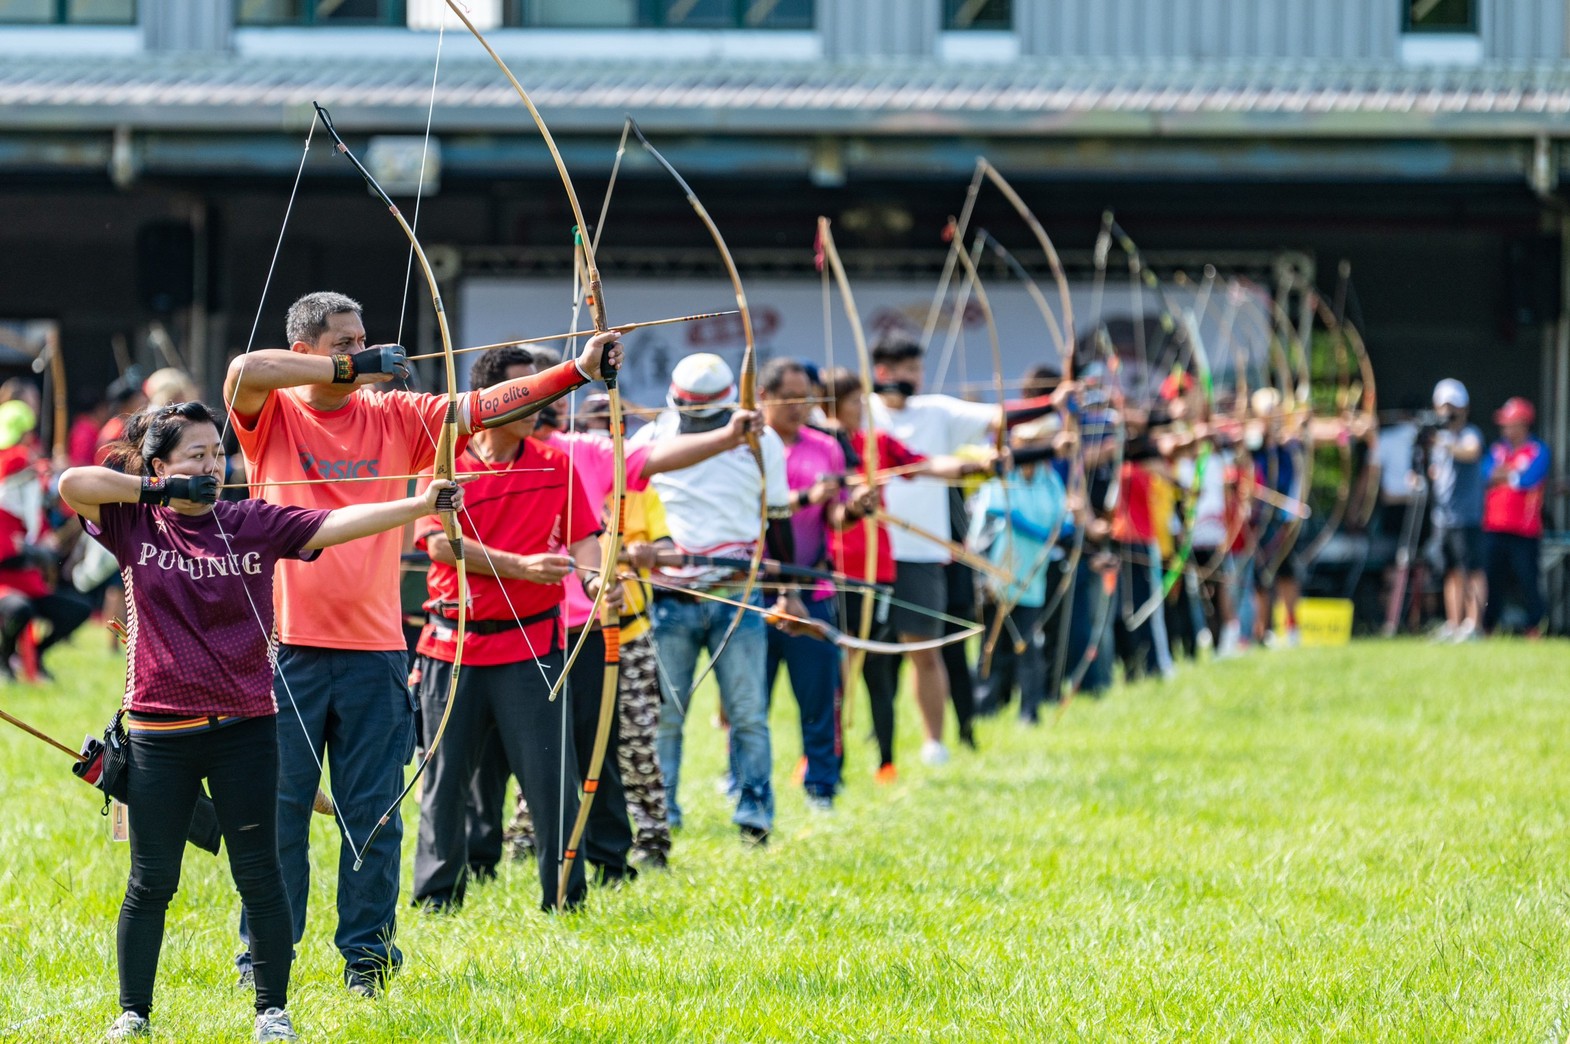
522,507
1515,471
306,413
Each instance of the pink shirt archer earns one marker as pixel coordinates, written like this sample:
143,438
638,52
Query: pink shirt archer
593,467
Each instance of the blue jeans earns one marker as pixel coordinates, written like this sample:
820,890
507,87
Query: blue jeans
1089,599
357,708
814,667
681,629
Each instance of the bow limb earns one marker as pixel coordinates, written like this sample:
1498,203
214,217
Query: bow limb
1292,359
935,310
869,447
58,393
747,393
1000,448
610,621
616,509
1333,320
445,467
596,302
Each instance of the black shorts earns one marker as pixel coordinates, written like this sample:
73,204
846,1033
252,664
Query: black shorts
1457,547
922,585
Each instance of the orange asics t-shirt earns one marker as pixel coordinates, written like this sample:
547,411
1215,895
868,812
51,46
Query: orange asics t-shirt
349,597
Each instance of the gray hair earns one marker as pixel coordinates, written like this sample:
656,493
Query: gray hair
307,318
775,371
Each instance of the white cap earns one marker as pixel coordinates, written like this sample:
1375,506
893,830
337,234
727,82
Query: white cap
702,380
1264,401
1451,392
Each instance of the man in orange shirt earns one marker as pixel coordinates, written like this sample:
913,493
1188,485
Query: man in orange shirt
341,679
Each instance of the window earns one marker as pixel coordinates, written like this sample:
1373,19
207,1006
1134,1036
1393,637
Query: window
1439,16
68,12
978,14
320,12
661,14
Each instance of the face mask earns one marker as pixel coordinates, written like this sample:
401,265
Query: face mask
693,423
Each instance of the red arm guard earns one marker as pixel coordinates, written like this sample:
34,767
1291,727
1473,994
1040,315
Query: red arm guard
514,400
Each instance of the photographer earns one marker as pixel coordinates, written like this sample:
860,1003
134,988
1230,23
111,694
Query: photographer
1455,472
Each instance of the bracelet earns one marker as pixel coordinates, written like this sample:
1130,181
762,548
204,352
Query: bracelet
154,491
343,369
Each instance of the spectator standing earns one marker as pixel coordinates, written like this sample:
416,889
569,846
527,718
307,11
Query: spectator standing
1515,471
1455,468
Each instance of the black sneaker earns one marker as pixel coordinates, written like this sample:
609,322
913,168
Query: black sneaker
247,977
614,876
364,982
757,837
967,736
433,905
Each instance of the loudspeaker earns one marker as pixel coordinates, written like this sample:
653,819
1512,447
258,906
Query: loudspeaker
1533,279
165,265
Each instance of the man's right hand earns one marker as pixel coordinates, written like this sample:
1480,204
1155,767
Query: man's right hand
743,423
544,569
380,363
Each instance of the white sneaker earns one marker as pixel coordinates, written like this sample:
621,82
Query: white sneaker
274,1024
1443,633
1227,648
128,1025
1467,632
1294,638
1204,640
933,752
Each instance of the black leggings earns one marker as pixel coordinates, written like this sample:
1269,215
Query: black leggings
881,673
240,764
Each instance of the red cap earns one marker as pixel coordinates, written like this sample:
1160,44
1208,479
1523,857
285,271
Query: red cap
1176,384
1516,410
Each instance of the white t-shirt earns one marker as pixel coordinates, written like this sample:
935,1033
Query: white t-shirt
712,507
932,425
1396,443
1210,512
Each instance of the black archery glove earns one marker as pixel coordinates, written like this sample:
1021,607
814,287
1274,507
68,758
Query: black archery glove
199,489
379,358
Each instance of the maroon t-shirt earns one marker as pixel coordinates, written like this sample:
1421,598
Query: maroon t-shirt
199,601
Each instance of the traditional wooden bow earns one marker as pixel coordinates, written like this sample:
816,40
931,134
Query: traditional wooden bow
610,624
445,468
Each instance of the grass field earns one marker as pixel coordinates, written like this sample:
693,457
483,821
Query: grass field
1359,844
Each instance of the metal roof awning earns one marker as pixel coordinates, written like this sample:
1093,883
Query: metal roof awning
1028,98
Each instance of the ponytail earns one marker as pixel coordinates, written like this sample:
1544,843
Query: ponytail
153,434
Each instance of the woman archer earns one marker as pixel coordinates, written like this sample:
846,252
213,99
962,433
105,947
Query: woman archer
198,699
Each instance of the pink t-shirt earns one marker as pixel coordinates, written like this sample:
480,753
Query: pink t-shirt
593,467
812,456
199,601
349,599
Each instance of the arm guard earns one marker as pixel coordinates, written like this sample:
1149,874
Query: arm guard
514,400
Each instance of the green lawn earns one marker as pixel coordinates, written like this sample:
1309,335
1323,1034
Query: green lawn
1362,844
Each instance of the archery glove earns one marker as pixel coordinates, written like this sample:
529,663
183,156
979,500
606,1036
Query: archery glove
199,489
380,358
